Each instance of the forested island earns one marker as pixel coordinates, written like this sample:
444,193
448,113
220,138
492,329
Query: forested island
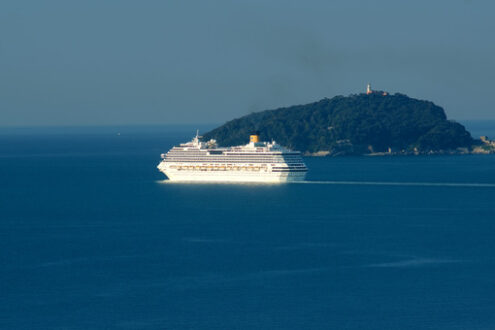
362,124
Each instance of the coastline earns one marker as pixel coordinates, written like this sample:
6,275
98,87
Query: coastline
485,147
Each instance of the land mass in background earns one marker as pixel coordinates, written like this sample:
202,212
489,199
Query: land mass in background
362,124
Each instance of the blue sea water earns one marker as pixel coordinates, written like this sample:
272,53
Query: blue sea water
92,237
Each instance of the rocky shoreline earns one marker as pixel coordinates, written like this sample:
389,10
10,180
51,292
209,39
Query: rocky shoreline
483,146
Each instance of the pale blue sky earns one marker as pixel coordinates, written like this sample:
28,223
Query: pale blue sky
165,62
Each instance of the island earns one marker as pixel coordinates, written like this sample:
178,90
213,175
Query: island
371,123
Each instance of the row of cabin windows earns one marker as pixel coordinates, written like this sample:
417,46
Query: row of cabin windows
178,159
234,158
299,170
184,152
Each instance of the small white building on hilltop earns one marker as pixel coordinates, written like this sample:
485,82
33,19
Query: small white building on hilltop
370,91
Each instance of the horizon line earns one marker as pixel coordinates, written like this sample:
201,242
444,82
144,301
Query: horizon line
156,124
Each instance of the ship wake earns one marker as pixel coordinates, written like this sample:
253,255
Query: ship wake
351,183
405,184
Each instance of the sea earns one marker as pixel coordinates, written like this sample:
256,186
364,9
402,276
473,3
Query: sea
92,236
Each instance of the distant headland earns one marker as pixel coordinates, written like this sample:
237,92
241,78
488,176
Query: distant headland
371,123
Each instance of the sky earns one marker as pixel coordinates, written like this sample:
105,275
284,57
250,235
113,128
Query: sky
71,63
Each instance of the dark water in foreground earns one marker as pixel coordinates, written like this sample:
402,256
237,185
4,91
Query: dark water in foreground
91,238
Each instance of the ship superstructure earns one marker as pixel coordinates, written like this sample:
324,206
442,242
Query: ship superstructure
254,162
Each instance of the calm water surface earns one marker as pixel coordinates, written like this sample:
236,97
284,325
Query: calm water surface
91,237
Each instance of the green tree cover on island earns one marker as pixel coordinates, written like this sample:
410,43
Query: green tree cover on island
363,123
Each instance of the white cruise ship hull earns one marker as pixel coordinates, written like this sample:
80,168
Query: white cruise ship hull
232,176
260,162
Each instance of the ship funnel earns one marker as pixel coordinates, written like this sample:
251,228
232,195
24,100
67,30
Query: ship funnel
255,138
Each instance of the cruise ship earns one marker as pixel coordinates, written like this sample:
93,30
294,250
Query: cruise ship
198,161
